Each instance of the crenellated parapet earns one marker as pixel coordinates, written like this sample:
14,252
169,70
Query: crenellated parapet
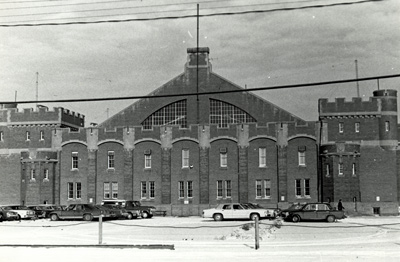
372,122
41,116
341,108
73,119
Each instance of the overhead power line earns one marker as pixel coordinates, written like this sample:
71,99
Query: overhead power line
189,16
150,6
205,93
59,5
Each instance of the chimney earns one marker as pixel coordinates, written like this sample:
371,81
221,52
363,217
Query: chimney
202,53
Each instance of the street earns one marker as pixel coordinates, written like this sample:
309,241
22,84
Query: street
198,239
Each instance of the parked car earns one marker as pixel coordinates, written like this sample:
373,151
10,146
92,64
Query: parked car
81,211
6,214
22,211
272,212
42,211
312,211
235,211
132,207
122,212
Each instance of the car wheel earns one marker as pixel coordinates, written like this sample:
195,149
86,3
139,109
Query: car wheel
145,215
129,216
1,217
218,217
295,219
87,217
330,219
53,217
254,216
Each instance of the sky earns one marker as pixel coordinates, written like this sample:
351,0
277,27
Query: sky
133,58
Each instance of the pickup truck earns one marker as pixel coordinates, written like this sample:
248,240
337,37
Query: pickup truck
131,205
312,211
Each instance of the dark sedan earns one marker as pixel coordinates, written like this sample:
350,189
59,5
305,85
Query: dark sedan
312,211
81,211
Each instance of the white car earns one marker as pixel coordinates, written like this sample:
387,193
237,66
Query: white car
22,211
237,211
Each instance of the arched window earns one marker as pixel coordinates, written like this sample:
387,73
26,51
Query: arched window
223,114
172,114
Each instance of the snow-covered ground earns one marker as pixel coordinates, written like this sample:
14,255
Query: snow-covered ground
198,239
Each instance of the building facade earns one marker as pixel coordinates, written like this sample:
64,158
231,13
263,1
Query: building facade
185,153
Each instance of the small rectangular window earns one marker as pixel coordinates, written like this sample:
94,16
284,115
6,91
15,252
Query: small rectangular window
152,189
387,126
143,191
302,158
28,135
357,127
228,189
262,157
353,169
298,187
340,169
327,171
70,190
111,159
147,161
307,187
258,189
181,188
267,188
106,190
223,159
114,189
189,189
78,190
219,189
41,135
185,158
46,174
341,127
33,174
1,136
74,160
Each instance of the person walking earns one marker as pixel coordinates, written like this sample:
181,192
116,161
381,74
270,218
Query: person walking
340,205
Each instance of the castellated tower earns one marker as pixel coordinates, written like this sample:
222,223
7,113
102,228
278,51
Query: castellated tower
359,152
388,119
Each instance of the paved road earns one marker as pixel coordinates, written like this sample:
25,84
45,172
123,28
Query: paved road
352,239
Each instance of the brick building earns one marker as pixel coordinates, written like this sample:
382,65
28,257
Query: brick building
185,153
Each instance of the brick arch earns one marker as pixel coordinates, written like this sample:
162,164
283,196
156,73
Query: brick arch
302,136
147,140
262,137
185,138
224,137
73,142
110,141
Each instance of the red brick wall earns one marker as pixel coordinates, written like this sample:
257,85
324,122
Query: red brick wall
10,179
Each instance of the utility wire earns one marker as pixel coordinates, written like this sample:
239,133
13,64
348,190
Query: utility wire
189,16
205,93
58,5
161,5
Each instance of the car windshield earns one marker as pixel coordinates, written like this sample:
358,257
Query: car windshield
295,207
253,206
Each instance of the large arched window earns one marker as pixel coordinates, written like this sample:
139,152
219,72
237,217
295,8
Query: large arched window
223,114
172,114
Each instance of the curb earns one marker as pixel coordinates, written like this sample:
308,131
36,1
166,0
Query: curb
170,247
